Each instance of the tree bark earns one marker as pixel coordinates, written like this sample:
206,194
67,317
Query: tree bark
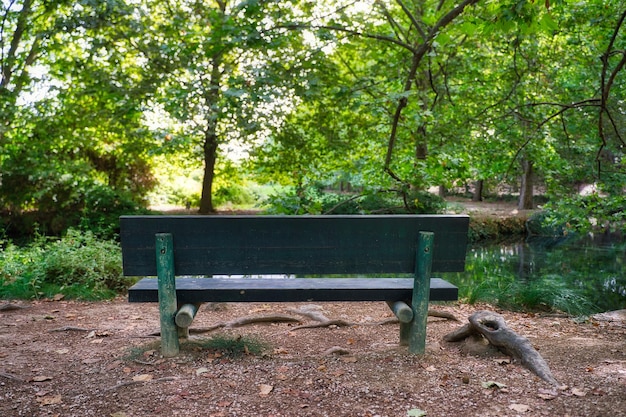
526,189
210,158
478,190
211,140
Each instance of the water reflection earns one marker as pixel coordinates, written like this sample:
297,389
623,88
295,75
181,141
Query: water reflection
594,267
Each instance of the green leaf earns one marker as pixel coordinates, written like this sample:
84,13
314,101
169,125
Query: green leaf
415,412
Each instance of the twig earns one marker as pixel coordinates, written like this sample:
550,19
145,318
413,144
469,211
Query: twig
11,377
129,383
69,329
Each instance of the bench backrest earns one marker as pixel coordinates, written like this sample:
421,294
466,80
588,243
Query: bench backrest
211,245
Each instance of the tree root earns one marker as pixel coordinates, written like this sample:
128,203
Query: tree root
492,326
242,321
442,315
11,307
310,311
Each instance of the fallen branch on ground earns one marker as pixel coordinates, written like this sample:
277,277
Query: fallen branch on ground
11,377
129,383
69,329
492,327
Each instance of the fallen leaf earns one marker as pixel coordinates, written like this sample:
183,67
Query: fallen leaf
431,369
493,384
502,361
62,351
41,378
142,378
201,371
578,392
224,403
415,412
349,359
520,408
50,400
58,297
547,394
97,341
119,414
265,389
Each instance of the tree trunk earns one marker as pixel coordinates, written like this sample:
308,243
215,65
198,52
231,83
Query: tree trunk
478,190
212,98
210,157
526,189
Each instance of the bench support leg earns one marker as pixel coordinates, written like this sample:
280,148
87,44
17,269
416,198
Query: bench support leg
421,293
167,294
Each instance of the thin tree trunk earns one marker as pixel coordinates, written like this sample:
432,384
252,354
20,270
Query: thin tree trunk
526,189
478,190
210,157
211,141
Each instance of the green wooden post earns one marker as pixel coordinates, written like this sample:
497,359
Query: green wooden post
404,313
421,293
405,333
167,294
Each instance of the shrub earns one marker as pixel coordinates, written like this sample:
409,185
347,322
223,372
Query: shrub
77,265
317,200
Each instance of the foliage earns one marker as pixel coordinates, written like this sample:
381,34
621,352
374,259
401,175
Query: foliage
392,96
319,199
587,214
78,266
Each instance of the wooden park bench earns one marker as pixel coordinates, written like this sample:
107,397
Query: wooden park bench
374,248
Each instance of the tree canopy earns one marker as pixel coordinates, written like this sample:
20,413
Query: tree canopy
378,96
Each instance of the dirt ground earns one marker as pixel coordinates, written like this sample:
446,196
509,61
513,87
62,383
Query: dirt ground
67,358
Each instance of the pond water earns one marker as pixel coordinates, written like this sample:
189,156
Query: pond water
580,276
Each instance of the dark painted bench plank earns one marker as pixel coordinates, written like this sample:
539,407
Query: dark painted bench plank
208,245
195,290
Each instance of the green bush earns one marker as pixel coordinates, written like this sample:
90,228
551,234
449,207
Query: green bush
317,200
588,213
234,194
77,266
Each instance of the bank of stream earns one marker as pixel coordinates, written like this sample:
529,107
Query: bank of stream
579,275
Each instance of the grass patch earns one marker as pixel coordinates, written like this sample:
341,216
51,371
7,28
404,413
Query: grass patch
229,346
219,346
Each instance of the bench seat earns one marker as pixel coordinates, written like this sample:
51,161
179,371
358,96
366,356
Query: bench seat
197,290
